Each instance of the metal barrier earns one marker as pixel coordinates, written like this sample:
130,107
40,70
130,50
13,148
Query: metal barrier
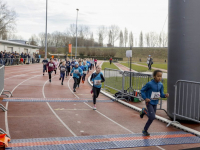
187,101
17,61
127,83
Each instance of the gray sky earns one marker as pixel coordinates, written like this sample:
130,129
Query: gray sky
136,15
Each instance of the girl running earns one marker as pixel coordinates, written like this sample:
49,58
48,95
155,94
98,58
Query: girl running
77,72
151,93
96,78
88,64
68,64
50,67
95,62
56,64
59,68
85,70
45,61
80,66
63,69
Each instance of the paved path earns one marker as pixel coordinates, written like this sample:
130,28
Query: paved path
124,68
151,67
25,120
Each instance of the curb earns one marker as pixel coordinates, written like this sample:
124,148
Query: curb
179,126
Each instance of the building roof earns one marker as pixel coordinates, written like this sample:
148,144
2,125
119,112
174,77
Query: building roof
17,44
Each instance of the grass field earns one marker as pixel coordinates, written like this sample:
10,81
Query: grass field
137,68
161,66
107,65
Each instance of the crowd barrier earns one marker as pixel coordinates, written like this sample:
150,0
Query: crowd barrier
17,61
186,101
127,84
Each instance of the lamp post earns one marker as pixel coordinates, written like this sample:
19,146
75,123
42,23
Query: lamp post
76,32
46,31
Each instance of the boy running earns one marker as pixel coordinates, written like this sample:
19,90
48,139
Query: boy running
63,69
77,72
45,61
85,70
151,93
50,66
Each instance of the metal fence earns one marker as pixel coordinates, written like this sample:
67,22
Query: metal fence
127,84
187,101
17,61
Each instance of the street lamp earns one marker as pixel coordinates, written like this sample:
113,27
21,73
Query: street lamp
76,32
46,31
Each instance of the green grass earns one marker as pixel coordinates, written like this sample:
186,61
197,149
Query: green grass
137,83
107,65
161,66
137,68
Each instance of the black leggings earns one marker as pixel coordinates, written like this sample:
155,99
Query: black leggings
83,78
96,92
50,74
68,71
75,82
79,80
151,112
55,71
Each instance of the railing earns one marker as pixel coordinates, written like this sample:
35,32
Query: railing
2,85
17,61
127,83
187,101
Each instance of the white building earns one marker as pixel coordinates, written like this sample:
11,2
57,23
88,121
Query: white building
19,46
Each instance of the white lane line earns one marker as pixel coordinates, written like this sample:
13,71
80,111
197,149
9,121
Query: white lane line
6,113
22,75
55,112
131,131
118,67
103,114
71,89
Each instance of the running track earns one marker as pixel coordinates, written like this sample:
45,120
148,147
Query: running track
66,119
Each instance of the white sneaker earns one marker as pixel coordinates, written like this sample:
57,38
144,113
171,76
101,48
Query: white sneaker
94,108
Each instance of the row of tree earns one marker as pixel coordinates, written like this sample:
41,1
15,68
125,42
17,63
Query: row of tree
85,36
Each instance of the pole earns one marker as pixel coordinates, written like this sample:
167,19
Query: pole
130,75
76,32
46,30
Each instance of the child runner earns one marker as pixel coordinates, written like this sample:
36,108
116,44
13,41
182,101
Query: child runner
63,69
96,78
45,61
50,66
95,61
77,72
59,68
151,93
68,64
73,63
85,70
88,64
91,66
80,66
56,64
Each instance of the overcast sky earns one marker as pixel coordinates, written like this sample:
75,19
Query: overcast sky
136,15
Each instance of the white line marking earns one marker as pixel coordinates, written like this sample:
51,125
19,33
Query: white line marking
6,118
110,119
54,111
71,89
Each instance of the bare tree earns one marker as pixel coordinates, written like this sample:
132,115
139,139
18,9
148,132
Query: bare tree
102,32
34,40
125,36
141,40
121,39
153,39
164,37
114,30
147,39
7,20
110,38
131,39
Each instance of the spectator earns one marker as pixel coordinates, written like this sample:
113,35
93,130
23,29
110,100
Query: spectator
110,60
28,58
149,62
